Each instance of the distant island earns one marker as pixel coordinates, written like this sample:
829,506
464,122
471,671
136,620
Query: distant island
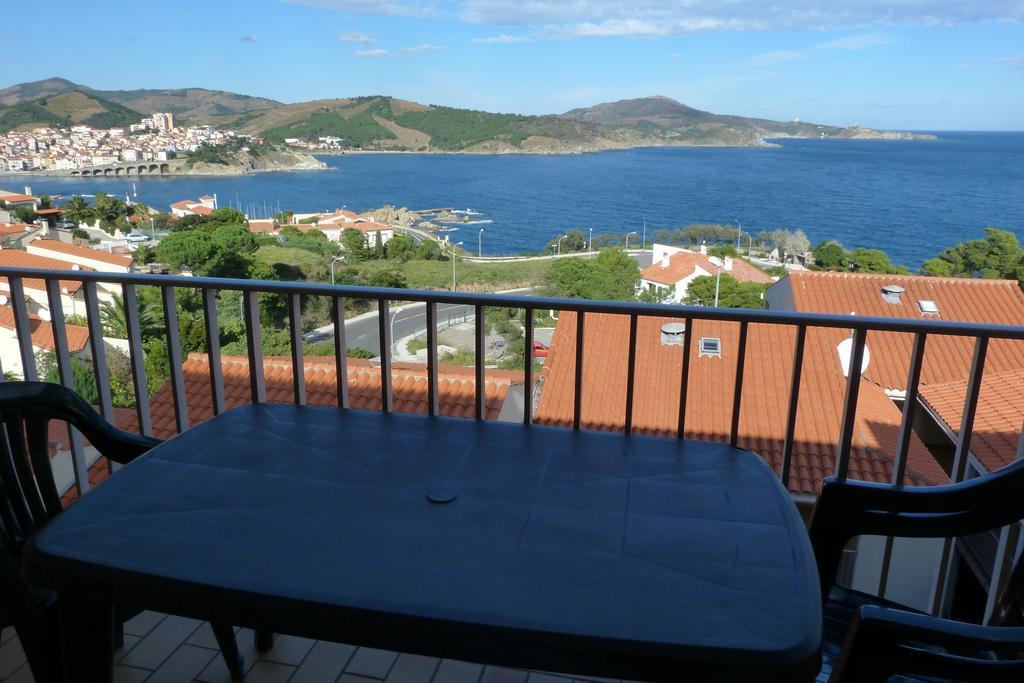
381,123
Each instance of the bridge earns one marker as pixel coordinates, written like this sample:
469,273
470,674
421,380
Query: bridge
124,169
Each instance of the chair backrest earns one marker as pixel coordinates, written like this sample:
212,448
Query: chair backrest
1009,606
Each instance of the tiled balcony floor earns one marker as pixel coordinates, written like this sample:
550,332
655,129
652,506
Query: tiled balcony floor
160,648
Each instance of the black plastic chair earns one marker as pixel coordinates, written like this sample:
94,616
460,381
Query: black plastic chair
870,639
29,500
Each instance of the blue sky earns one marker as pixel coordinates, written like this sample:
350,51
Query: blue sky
913,64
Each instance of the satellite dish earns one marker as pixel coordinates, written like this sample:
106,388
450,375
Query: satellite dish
845,350
75,266
3,300
44,314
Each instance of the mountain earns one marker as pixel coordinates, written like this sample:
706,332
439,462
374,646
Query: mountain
67,109
676,123
387,123
197,105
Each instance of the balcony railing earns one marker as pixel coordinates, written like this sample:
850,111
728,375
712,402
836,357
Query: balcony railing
293,292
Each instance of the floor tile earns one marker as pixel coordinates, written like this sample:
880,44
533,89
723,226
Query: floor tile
217,671
497,674
324,662
129,674
184,665
368,661
11,657
143,622
288,650
161,642
454,671
413,669
269,672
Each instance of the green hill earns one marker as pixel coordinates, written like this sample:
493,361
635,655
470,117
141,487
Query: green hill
67,109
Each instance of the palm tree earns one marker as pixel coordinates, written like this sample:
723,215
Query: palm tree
113,318
78,210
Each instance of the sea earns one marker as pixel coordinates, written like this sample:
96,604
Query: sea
909,198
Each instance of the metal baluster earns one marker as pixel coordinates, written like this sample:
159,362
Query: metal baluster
850,404
528,367
23,329
432,401
684,380
137,357
794,402
737,396
174,357
899,468
480,332
1006,552
962,454
213,349
254,343
630,373
298,366
99,358
60,343
340,350
577,396
384,327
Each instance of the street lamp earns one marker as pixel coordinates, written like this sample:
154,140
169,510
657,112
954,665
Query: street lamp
590,244
718,281
452,255
750,244
739,231
627,238
643,244
480,243
339,258
558,245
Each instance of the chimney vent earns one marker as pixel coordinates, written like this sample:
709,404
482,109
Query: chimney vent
728,263
672,334
891,294
665,261
704,249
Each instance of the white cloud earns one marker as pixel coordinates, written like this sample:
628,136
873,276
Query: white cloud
356,37
248,39
425,47
378,52
504,38
1015,64
410,8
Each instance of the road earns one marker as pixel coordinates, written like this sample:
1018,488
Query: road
363,333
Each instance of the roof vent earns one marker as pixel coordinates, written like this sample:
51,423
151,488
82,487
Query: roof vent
672,334
891,294
710,347
928,307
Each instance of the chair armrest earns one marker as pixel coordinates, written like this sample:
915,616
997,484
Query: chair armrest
882,642
852,508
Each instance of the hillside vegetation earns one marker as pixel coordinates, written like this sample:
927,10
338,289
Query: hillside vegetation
67,109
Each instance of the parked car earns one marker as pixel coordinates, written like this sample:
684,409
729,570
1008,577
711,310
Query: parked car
66,225
136,237
540,349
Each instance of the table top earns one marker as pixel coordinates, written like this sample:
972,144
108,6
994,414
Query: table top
680,552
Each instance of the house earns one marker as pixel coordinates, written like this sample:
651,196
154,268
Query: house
373,233
456,388
15,199
93,259
673,269
11,234
947,358
42,338
267,226
72,296
186,207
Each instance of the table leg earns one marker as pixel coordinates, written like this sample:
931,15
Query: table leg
87,639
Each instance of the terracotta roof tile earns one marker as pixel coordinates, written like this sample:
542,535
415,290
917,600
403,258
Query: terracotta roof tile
710,391
947,358
14,228
16,258
42,331
997,422
58,248
456,388
682,264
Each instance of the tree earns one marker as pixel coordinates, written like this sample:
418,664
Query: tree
193,248
731,293
114,322
354,244
401,248
109,210
428,250
388,277
144,254
872,261
77,209
81,375
612,275
997,255
236,239
46,202
831,256
572,240
701,233
25,214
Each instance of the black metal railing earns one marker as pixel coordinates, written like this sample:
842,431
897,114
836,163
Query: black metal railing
293,291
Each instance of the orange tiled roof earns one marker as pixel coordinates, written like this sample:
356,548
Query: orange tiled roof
709,402
58,247
16,197
947,358
263,225
682,264
998,421
456,388
14,228
42,331
16,258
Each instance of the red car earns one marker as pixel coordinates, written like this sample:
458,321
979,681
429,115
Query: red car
540,350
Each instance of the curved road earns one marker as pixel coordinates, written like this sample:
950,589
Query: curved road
363,332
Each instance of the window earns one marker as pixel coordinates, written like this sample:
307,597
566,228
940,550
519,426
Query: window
710,347
928,307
